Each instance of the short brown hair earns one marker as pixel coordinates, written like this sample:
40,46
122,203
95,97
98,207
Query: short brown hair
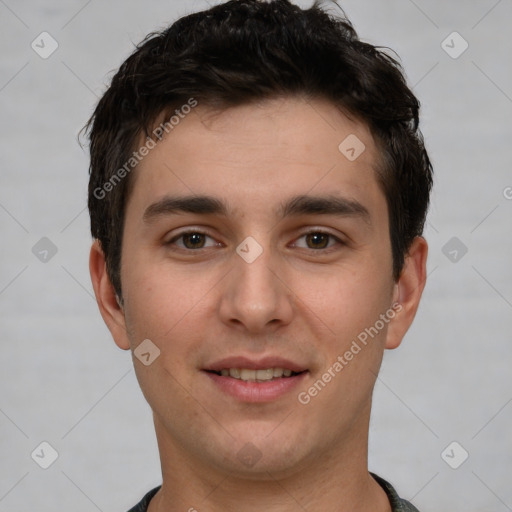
243,51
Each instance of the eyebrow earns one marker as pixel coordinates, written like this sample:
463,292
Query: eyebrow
202,205
320,205
298,205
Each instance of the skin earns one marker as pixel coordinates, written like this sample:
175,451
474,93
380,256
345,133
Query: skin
303,299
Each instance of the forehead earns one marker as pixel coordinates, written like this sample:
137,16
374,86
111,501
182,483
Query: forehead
256,156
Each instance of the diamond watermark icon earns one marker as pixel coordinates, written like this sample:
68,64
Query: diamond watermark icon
454,455
454,45
146,352
249,455
44,45
249,249
352,147
454,249
44,455
44,250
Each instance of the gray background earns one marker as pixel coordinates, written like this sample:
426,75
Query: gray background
63,380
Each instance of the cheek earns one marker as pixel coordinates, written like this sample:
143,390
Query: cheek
163,303
165,311
346,297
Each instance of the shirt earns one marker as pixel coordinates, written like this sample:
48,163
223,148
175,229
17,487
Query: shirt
397,503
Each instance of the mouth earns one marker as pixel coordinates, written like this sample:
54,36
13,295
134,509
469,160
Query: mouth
252,381
251,375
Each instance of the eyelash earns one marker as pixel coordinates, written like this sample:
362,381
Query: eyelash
312,232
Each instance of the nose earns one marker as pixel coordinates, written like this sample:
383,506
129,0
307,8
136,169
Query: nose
255,296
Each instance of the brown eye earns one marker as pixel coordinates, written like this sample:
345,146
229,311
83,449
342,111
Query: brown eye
317,240
193,240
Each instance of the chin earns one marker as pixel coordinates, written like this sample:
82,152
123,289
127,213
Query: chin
266,456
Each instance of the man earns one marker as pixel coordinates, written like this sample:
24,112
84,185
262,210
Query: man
258,192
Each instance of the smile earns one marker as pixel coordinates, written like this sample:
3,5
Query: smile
250,375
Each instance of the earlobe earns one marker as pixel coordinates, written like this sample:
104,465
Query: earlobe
110,308
408,291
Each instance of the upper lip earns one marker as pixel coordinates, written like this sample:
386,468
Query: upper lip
255,364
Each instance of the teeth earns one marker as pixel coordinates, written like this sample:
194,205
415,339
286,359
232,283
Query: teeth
246,374
264,374
278,372
234,372
255,375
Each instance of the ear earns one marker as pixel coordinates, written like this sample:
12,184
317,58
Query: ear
111,311
408,291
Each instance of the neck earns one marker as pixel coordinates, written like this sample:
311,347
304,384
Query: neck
336,480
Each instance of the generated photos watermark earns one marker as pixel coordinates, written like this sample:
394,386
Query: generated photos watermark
342,361
137,156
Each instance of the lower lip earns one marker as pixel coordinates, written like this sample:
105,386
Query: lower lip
255,392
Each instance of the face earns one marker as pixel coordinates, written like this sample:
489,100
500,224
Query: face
255,256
